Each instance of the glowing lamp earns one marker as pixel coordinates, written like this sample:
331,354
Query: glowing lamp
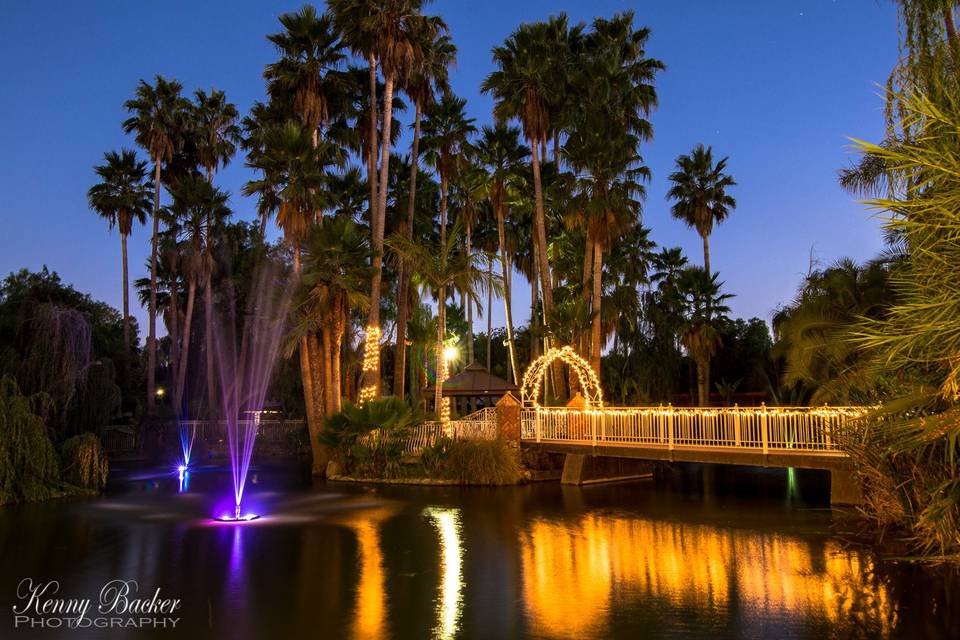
450,353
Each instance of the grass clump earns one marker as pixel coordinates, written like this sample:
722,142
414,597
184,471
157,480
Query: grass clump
485,462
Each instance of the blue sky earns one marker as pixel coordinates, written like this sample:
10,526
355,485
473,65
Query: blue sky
776,86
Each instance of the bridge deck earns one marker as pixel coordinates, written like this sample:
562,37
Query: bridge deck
803,459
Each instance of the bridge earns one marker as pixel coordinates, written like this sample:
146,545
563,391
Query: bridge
800,437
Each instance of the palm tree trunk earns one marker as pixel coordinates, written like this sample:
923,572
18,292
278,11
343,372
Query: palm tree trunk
341,320
441,333
585,290
507,302
595,320
306,379
469,303
371,377
540,227
535,310
328,366
372,155
489,311
403,292
152,336
703,369
185,351
706,255
126,299
174,328
208,339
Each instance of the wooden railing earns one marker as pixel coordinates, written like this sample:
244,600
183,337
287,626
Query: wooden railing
765,428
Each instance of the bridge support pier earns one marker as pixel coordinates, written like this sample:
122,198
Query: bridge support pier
845,488
581,469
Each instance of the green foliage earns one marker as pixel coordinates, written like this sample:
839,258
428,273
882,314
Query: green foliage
484,462
84,462
29,468
368,440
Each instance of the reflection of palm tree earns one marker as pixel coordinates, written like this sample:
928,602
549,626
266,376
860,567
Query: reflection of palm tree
122,198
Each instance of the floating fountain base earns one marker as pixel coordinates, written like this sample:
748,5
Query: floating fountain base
237,516
244,518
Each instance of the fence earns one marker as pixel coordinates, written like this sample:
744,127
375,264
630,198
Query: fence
479,425
766,428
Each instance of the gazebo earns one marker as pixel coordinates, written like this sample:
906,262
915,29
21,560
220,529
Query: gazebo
472,389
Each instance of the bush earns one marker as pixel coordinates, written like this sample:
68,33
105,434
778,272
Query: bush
480,462
29,468
367,441
84,462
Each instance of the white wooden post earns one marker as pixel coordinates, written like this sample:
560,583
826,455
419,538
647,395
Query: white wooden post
764,435
593,427
536,424
736,425
670,424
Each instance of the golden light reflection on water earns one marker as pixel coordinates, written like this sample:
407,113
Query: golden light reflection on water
450,603
371,600
574,573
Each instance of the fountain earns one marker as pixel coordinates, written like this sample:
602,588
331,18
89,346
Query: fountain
245,377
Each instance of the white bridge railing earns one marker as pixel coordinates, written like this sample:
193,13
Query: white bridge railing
763,428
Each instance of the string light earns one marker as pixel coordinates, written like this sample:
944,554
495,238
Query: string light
449,354
589,382
371,362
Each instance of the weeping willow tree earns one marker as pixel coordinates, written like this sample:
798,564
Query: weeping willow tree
56,354
29,467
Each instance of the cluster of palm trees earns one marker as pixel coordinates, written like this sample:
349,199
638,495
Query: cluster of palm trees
553,190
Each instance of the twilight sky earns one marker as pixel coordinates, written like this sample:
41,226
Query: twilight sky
776,86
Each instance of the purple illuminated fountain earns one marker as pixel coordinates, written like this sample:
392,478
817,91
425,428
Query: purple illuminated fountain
245,377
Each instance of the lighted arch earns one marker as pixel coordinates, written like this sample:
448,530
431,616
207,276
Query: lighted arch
533,377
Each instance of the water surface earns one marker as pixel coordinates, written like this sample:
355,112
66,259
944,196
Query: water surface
742,555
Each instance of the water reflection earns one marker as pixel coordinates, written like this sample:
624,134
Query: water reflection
575,573
371,598
450,605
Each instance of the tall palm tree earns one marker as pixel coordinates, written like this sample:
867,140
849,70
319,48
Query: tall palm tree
700,194
213,123
500,151
703,303
522,89
471,185
157,122
443,267
293,174
446,138
197,209
427,74
122,198
309,48
333,284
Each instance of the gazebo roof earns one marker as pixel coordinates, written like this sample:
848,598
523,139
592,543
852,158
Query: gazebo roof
475,381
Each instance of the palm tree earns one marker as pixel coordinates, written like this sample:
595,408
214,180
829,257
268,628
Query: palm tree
443,267
429,72
333,284
293,175
500,151
700,194
522,89
309,48
122,197
197,209
446,138
703,303
157,122
213,121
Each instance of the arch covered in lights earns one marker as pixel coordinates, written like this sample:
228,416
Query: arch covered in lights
533,377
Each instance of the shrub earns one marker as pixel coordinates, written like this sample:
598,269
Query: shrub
84,462
480,462
29,467
368,440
